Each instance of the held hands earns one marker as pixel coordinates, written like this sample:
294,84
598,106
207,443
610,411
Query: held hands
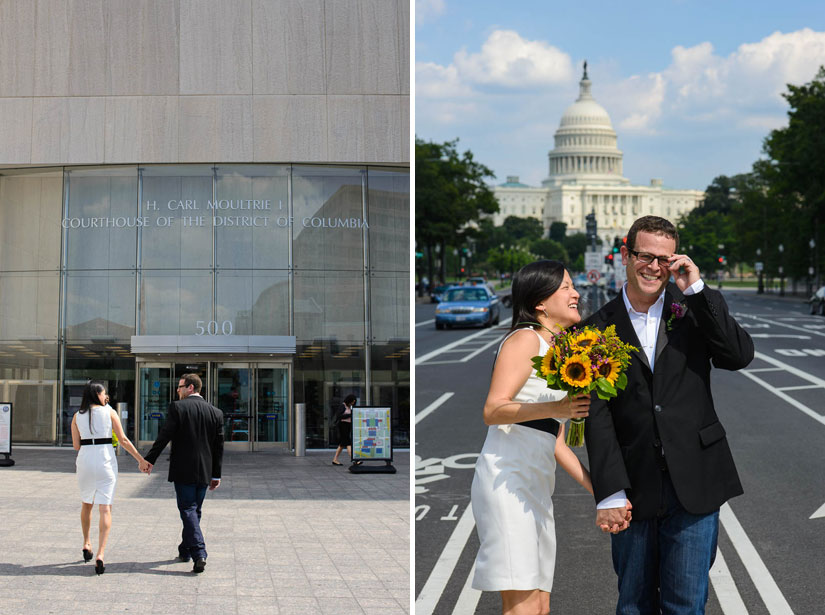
684,271
614,520
145,466
577,407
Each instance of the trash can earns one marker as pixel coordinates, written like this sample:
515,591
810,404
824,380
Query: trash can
300,430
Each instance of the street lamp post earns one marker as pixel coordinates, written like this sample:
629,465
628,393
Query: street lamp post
781,272
812,245
761,287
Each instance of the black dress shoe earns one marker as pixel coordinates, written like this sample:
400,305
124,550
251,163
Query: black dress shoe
183,557
200,564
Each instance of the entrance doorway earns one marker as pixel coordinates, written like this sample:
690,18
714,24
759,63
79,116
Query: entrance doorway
254,396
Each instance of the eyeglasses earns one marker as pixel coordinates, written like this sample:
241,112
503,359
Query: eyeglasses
182,386
646,258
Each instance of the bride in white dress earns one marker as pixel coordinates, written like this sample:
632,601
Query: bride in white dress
515,473
96,464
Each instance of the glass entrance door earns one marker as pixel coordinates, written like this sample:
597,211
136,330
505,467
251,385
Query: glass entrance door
272,407
154,394
233,396
254,398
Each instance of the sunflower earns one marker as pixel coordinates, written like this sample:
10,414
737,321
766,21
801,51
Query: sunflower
584,340
610,370
576,371
550,362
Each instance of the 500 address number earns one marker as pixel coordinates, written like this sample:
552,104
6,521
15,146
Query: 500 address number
213,327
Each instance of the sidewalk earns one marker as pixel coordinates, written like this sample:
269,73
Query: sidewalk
286,535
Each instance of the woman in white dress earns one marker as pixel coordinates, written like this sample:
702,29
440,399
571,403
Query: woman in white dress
515,473
92,428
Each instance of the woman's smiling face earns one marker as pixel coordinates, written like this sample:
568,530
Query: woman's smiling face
562,306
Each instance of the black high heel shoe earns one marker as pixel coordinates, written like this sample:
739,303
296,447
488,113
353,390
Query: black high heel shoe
99,567
87,555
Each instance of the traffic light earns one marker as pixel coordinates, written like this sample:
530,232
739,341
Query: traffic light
462,271
608,259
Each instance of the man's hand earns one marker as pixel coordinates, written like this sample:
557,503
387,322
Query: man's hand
614,520
146,467
213,484
684,271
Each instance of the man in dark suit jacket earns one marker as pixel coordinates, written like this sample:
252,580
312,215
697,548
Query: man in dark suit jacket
195,429
659,444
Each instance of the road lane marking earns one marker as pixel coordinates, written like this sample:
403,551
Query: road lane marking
765,369
482,349
759,574
799,388
425,322
469,597
450,346
798,405
432,407
725,589
780,324
444,567
783,335
820,512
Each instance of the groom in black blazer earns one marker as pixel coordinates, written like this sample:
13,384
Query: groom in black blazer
195,429
659,444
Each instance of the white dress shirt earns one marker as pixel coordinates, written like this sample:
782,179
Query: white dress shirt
646,325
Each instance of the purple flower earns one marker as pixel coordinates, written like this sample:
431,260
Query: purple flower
677,311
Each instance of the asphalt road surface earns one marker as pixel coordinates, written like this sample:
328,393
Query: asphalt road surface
771,555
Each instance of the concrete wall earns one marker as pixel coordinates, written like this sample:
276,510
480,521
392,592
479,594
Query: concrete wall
142,81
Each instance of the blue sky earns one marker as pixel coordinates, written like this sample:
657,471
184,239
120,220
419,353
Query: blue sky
692,87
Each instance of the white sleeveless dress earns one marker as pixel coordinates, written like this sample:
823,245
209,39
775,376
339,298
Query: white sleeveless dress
96,463
515,476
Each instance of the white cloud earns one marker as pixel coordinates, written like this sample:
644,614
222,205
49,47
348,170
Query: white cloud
426,10
436,81
505,60
701,86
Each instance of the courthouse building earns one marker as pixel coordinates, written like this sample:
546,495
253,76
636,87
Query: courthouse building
585,175
209,187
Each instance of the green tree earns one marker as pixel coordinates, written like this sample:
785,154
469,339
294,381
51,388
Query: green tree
451,196
795,172
523,228
548,248
558,231
576,246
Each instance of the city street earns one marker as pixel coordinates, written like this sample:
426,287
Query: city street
771,539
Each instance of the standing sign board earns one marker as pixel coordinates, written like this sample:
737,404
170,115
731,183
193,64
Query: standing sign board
5,434
593,260
371,438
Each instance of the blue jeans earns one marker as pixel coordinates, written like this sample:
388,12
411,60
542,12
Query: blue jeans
190,500
663,563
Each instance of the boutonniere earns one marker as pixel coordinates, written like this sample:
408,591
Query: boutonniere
677,312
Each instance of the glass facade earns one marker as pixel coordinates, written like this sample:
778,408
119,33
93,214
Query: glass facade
205,254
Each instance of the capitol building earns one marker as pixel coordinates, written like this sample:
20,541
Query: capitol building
585,175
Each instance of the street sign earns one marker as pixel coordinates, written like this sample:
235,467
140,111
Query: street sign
593,260
757,267
593,275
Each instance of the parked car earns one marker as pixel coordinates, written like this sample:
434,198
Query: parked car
817,302
468,305
437,292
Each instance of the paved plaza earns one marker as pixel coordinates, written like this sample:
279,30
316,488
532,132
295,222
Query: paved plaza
284,534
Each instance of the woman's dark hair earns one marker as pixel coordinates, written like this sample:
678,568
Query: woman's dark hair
350,399
91,396
531,285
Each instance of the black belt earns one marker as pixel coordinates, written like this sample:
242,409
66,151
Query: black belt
550,426
95,441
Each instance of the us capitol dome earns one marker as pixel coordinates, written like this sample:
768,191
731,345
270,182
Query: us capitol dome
585,175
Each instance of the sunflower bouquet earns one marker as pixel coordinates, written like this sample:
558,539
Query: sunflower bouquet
581,360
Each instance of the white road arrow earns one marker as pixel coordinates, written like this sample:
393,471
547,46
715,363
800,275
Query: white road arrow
820,512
